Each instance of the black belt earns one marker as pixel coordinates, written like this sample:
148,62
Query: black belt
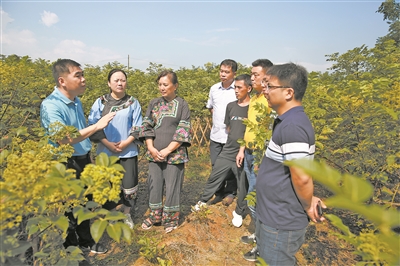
80,157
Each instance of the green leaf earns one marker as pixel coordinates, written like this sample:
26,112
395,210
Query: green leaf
337,222
113,159
114,231
3,154
114,216
22,131
41,254
102,159
102,211
118,167
356,188
22,247
74,250
85,215
57,170
42,204
32,225
97,229
62,223
126,233
92,204
78,210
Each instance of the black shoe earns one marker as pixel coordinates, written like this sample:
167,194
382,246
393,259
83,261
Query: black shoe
251,255
217,198
96,248
248,239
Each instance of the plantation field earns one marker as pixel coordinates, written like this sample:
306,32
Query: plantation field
354,108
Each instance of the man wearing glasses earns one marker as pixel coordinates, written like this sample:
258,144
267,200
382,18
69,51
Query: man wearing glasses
285,201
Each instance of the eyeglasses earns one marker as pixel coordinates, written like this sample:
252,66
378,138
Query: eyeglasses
271,87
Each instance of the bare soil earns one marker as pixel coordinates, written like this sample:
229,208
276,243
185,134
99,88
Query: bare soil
209,239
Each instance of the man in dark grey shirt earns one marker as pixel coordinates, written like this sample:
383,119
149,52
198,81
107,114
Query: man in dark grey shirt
225,165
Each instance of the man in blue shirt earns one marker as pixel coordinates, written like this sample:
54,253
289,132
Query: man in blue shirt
285,201
64,106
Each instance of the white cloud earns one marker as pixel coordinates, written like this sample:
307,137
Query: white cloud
18,38
69,47
15,39
48,18
5,19
79,51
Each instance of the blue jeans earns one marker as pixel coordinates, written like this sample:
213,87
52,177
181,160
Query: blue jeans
251,176
278,247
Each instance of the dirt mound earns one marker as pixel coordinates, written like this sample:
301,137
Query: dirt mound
208,237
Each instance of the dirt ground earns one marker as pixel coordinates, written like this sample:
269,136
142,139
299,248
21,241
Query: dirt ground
208,238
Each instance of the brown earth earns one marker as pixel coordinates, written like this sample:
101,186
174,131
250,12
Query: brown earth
208,237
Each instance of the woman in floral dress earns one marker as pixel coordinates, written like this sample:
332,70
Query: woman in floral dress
166,131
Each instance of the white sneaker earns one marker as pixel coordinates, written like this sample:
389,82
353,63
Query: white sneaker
198,206
128,220
237,219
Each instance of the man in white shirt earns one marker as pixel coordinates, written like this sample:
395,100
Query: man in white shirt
220,95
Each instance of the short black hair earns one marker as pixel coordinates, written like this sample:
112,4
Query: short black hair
291,75
115,70
231,63
246,78
61,66
265,64
171,74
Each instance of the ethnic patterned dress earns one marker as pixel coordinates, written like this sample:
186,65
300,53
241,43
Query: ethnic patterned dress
165,122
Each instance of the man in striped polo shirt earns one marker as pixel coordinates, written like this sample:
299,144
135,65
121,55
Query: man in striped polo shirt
285,201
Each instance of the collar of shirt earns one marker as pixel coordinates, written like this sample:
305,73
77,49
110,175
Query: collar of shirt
290,111
61,96
232,86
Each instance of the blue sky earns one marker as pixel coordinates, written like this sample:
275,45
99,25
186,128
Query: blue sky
188,33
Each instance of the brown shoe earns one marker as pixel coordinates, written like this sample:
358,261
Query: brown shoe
228,200
217,198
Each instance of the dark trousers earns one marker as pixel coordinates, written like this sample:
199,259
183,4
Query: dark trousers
221,170
229,185
129,182
243,186
78,234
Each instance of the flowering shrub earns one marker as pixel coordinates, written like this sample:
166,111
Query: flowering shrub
36,190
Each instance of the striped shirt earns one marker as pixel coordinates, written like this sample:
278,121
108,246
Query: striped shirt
277,204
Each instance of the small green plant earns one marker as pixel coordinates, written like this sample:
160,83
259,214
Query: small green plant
163,262
202,215
151,251
251,198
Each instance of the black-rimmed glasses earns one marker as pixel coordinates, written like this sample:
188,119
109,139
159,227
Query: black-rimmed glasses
271,87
